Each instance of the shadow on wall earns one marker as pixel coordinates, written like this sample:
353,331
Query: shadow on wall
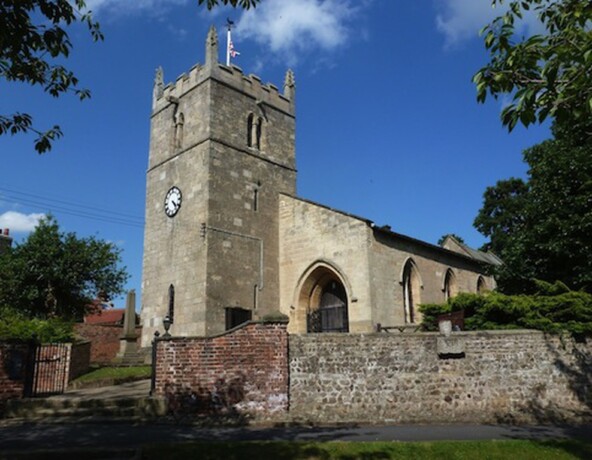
572,357
217,405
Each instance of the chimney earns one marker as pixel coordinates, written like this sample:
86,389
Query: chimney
5,239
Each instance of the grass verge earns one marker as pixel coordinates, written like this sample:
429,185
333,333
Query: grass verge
114,374
441,450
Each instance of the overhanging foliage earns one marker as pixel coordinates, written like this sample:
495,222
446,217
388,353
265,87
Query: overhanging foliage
546,74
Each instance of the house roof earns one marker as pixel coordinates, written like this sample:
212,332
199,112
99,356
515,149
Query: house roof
111,316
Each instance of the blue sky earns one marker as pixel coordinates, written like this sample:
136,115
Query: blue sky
387,126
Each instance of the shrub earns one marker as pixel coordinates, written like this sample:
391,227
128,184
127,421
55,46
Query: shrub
554,308
15,326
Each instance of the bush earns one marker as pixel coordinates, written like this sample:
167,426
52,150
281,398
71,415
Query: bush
554,308
15,326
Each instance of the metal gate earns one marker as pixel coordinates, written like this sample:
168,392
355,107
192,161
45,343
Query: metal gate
48,372
328,319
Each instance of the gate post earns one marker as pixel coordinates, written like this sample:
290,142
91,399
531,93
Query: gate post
153,376
30,368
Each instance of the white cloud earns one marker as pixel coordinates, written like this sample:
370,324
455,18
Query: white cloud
291,27
131,6
461,20
19,222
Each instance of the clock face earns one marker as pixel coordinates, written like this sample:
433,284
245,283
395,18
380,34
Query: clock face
172,202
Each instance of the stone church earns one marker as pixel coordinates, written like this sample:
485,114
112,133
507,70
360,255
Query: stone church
227,239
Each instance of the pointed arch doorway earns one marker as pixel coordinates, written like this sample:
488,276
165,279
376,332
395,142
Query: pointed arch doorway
323,297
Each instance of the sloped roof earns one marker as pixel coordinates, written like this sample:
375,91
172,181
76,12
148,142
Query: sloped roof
111,316
457,246
487,257
466,251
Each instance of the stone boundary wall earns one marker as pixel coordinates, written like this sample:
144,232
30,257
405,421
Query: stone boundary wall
241,373
13,366
476,377
104,340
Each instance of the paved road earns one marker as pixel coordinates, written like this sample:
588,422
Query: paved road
18,436
24,436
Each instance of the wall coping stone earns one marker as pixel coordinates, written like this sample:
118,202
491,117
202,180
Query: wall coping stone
483,333
222,334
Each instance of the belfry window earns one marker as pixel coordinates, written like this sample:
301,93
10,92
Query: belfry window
179,122
259,132
171,309
250,128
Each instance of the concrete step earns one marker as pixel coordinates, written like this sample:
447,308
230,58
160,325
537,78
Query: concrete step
133,359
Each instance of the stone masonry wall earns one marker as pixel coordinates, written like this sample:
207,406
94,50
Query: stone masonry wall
312,235
387,260
505,376
243,372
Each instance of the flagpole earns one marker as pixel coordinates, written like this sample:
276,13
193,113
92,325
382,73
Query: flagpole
228,41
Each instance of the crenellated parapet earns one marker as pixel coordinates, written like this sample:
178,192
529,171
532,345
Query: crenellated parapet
232,76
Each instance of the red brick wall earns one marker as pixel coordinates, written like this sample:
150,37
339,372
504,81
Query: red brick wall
13,359
243,372
104,340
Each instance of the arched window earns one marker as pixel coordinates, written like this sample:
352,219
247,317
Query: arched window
450,285
411,292
256,196
481,285
171,310
259,132
250,129
179,122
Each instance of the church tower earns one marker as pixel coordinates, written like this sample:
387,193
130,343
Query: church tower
221,150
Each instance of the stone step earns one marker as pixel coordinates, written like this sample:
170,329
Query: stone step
75,454
35,409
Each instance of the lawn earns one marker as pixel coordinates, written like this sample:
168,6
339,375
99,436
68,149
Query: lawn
503,450
116,374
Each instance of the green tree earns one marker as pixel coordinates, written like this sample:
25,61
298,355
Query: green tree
502,213
542,228
546,74
56,274
246,4
453,235
33,43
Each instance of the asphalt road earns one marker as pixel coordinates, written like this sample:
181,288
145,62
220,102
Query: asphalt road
41,436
